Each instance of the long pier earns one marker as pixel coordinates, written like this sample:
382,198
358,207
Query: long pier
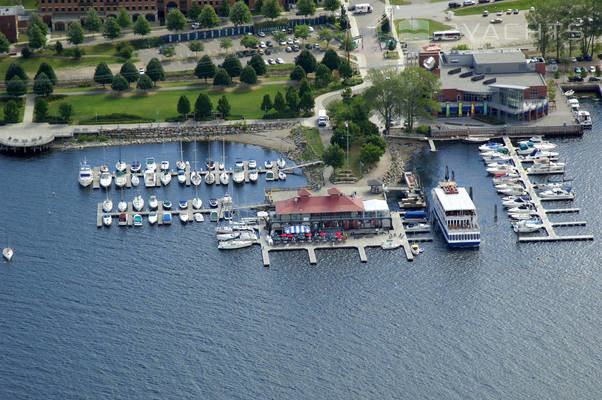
542,212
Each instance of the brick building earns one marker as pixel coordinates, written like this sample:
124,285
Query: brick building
12,19
501,83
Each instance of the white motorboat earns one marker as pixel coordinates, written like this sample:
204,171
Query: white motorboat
281,175
524,215
135,167
513,192
476,139
107,205
135,180
198,217
224,229
104,168
164,165
153,203
138,203
247,235
120,179
527,225
253,176
120,166
500,164
557,193
210,178
166,218
252,164
537,154
227,215
180,164
234,244
183,204
151,165
523,208
8,253
153,217
197,203
491,146
227,236
239,175
221,166
497,181
122,206
105,179
183,217
165,178
506,175
542,145
507,185
269,175
85,174
224,178
416,249
166,205
501,169
516,202
137,220
545,166
181,176
496,157
390,244
150,179
281,162
268,164
584,119
196,178
107,219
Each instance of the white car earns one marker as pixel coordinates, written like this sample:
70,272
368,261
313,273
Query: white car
279,61
141,71
266,62
296,41
289,41
282,43
262,45
311,29
288,49
271,61
592,69
469,3
261,34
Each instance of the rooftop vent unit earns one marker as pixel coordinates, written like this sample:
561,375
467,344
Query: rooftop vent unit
477,78
466,74
489,81
454,71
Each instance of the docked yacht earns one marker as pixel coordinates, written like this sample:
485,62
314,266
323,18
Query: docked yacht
137,220
281,162
527,225
181,176
252,164
253,176
224,178
153,203
167,205
135,167
213,203
239,164
85,174
584,119
135,180
122,206
198,217
234,244
107,205
105,179
164,165
268,164
557,193
491,146
239,174
165,178
183,204
456,215
508,179
214,216
526,208
195,178
210,178
183,217
153,217
167,218
269,175
197,203
281,175
138,203
545,166
151,165
120,179
150,179
495,156
120,166
515,201
525,147
221,166
104,168
107,219
537,154
501,169
227,215
513,191
574,104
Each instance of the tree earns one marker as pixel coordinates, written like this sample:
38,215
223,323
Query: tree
326,35
176,21
347,44
4,44
346,96
345,69
307,61
205,68
377,141
302,31
306,7
119,83
333,155
232,65
129,72
103,74
385,27
34,19
298,73
384,94
323,75
271,9
58,47
144,83
306,102
142,26
224,10
40,109
196,47
194,11
279,36
248,75
543,20
123,18
46,69
332,5
111,29
258,64
223,106
36,37
222,78
240,14
26,52
258,6
183,106
203,108
419,88
15,87
15,69
42,86
292,98
279,103
11,112
266,103
208,17
331,59
155,71
370,154
225,43
551,90
249,42
305,87
65,111
92,21
76,33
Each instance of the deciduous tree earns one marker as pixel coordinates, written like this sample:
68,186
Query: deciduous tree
370,154
142,26
279,103
203,108
232,65
65,111
240,14
36,37
249,42
332,5
258,64
345,69
306,60
176,21
208,17
333,155
248,75
103,74
225,43
123,18
271,9
183,106
223,106
196,46
306,102
323,75
111,29
15,87
155,71
144,83
75,33
326,35
302,31
266,103
222,78
119,83
129,72
306,7
205,68
11,112
292,98
92,21
298,73
42,86
331,59
194,11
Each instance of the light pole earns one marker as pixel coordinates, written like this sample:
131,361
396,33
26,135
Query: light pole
347,136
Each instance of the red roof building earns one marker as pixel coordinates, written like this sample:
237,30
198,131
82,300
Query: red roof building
335,202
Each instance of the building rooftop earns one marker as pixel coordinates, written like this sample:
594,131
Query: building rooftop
319,204
499,56
12,10
454,81
454,201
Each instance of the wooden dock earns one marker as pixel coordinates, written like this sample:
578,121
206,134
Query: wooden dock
432,145
542,212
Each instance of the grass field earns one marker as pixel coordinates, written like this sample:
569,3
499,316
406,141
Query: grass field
494,7
160,105
400,2
312,135
30,65
420,26
29,4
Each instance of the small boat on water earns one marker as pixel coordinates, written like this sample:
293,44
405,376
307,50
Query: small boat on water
227,215
234,244
210,178
107,219
153,217
252,164
105,179
104,168
281,162
489,146
123,219
183,217
527,225
538,154
239,163
584,119
167,218
181,176
120,179
196,178
135,167
224,178
224,229
8,253
167,205
180,164
153,203
545,166
135,180
107,205
269,175
120,166
122,206
390,244
501,169
416,249
137,220
198,217
253,176
476,139
227,236
514,201
183,204
526,208
513,191
213,203
268,164
138,203
497,181
151,165
281,175
214,216
85,174
239,175
557,193
150,179
221,166
164,165
197,203
165,178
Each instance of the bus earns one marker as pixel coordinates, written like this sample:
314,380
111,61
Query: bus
447,35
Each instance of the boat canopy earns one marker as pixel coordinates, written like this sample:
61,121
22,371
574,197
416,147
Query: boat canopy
296,229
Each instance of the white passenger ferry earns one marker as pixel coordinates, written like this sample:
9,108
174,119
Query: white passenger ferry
456,215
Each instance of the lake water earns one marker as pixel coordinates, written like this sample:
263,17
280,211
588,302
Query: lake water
159,312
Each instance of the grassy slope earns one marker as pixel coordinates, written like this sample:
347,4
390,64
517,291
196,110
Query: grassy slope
433,26
244,101
494,7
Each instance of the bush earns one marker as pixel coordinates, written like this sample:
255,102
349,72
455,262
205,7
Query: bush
26,52
11,112
222,78
126,52
65,111
423,130
298,73
556,74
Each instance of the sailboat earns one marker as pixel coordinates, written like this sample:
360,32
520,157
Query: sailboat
138,203
120,165
85,174
105,179
8,253
153,217
135,180
107,220
165,177
120,179
107,205
195,177
281,162
153,203
181,176
224,178
180,164
210,177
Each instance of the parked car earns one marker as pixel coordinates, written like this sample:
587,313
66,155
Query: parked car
552,61
268,52
577,70
497,20
516,11
469,3
260,51
499,13
308,46
600,56
141,71
509,11
485,13
266,62
296,41
288,49
262,45
272,61
351,8
289,30
587,57
289,41
575,78
594,79
195,25
296,47
592,69
317,46
579,58
269,43
261,34
454,4
573,59
279,61
311,28
282,43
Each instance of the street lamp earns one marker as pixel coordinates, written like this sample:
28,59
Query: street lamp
347,136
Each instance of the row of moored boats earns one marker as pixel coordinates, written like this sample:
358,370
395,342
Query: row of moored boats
582,117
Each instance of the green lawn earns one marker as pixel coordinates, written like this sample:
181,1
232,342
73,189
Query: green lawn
494,7
312,136
30,65
419,26
29,4
160,105
400,2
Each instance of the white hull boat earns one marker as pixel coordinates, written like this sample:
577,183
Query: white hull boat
281,163
165,178
227,236
252,164
85,175
135,180
196,178
198,217
120,179
523,208
269,176
180,164
8,253
153,218
197,203
238,176
527,226
153,203
137,220
150,179
135,167
107,205
138,203
516,202
281,176
183,217
513,192
107,220
120,166
501,169
164,166
519,216
105,179
151,165
557,194
221,166
268,164
210,178
491,146
253,176
181,176
496,157
234,244
224,178
122,206
497,181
